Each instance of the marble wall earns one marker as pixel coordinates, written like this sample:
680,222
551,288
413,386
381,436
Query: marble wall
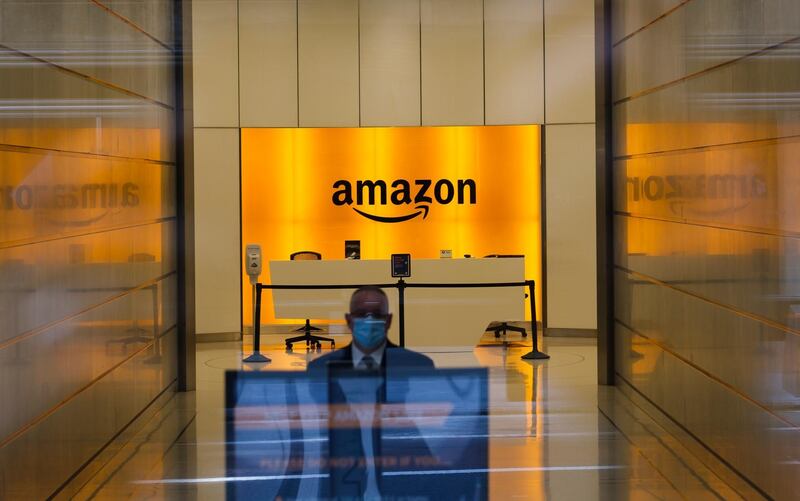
706,117
87,230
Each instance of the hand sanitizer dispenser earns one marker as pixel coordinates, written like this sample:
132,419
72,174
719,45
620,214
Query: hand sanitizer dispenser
253,262
252,266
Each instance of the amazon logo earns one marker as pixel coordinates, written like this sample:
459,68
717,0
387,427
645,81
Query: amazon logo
368,198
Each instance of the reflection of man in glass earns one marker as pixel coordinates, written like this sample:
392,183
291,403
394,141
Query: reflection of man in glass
369,320
357,376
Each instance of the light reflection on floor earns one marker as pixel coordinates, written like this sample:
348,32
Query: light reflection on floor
550,433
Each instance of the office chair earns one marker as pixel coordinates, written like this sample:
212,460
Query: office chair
311,340
306,256
502,327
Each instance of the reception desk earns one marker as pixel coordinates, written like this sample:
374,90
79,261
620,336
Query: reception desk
440,317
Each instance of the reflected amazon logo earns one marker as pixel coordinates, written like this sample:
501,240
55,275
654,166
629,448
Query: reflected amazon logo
66,198
368,198
701,195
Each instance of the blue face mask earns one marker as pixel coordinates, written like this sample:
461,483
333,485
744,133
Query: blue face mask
369,332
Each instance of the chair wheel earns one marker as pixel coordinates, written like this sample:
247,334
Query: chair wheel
333,345
288,348
496,334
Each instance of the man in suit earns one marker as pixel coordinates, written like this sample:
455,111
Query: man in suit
355,447
369,320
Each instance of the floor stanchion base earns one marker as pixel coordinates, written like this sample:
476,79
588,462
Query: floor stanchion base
257,358
535,355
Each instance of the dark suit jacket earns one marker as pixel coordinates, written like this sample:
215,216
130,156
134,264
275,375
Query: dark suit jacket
350,481
393,356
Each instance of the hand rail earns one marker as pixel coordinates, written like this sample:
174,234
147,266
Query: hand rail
401,285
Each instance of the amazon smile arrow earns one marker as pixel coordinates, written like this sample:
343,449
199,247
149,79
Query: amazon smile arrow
423,209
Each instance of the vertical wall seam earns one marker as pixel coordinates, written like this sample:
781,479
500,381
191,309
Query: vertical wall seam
239,145
483,48
241,242
358,29
420,63
543,172
543,224
544,64
238,69
297,56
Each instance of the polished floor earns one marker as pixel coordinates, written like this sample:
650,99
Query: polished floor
554,434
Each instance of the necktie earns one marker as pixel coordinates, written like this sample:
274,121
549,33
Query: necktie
368,362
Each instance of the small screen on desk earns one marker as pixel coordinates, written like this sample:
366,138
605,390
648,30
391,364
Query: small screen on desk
401,265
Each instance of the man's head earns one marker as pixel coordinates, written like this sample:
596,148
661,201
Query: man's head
369,313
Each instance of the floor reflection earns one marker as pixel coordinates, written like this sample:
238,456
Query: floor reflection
552,434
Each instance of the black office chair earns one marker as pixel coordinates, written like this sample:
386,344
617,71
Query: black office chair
501,327
311,340
306,256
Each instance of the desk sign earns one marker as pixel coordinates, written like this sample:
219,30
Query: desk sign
352,249
401,265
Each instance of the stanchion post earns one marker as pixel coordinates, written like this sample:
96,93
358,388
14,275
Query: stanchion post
156,358
401,292
257,356
535,354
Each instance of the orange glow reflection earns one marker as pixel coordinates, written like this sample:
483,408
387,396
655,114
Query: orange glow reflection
739,185
46,195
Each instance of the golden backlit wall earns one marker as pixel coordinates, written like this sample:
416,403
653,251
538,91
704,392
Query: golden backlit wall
288,192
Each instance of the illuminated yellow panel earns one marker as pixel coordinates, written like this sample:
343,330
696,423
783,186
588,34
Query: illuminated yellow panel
290,193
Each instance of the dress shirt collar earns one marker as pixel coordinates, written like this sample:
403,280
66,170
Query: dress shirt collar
376,355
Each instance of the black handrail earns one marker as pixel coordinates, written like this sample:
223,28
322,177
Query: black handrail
401,285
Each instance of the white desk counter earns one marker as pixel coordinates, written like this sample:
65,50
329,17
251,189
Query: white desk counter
433,317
